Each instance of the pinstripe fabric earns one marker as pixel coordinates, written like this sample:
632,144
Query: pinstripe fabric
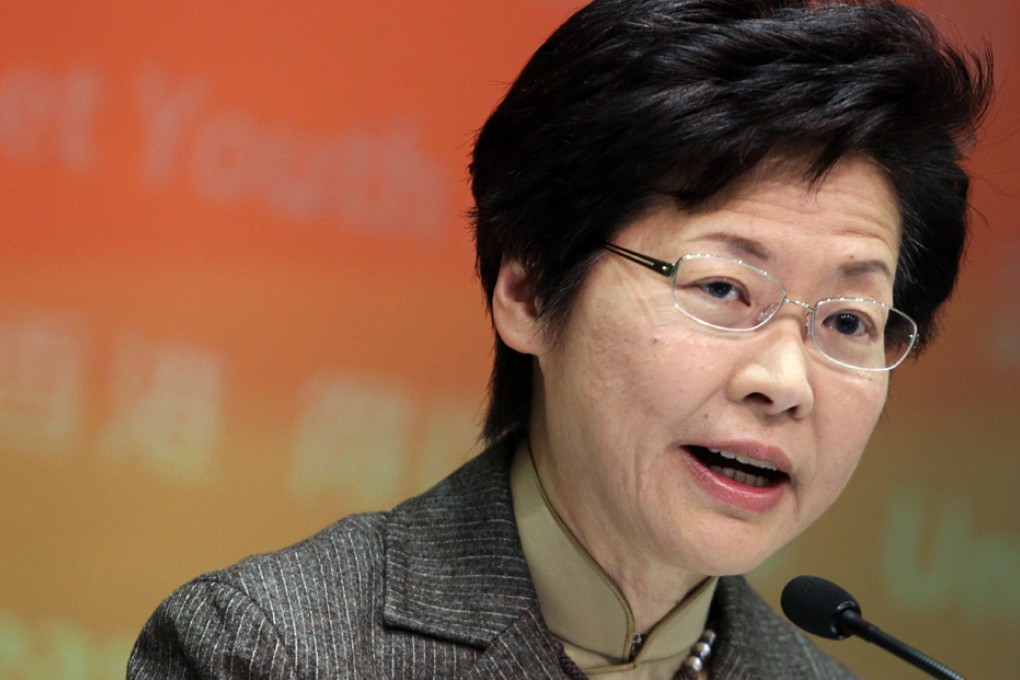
437,588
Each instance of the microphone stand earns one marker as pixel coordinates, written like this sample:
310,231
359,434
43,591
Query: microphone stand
851,622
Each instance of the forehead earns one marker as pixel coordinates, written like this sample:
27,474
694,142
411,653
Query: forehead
850,213
856,189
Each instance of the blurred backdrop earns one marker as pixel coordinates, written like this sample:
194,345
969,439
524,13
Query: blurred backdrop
237,302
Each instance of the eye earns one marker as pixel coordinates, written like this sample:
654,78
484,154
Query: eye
851,323
722,290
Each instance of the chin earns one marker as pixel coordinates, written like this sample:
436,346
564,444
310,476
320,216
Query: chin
730,553
732,567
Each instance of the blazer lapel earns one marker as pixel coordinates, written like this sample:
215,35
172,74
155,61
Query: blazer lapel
455,572
523,650
740,614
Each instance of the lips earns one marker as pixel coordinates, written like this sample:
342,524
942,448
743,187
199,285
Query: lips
740,469
746,477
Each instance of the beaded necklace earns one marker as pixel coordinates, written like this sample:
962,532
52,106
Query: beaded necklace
692,668
694,665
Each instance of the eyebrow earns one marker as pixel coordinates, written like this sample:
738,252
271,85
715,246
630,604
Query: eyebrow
739,244
758,250
865,267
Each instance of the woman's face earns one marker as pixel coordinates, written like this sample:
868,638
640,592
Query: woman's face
633,394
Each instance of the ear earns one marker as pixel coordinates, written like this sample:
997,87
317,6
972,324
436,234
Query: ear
514,310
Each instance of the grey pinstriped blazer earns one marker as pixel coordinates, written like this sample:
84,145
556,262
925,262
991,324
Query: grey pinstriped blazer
437,588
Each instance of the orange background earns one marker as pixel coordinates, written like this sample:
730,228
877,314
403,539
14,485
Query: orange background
237,303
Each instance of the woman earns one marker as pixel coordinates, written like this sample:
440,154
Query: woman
707,231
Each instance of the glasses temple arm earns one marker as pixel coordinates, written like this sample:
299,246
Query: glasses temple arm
657,266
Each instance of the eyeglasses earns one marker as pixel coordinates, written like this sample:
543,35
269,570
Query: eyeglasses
730,295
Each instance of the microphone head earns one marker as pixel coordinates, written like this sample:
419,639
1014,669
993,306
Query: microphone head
816,605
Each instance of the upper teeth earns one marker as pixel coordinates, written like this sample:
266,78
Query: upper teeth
746,461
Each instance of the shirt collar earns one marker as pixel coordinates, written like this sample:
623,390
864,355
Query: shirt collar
581,605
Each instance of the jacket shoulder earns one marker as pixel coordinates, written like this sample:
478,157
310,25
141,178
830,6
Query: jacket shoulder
292,613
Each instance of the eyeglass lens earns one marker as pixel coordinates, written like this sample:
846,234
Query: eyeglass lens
732,295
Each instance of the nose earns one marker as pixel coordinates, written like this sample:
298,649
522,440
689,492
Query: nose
772,376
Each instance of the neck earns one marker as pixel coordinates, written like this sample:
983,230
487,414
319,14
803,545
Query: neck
650,588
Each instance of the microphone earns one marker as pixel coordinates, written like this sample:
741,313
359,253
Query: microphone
823,608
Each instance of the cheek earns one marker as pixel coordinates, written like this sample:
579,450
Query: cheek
848,427
619,387
589,378
663,372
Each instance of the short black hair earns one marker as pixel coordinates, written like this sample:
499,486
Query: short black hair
630,100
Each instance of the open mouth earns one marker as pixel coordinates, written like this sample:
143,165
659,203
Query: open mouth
753,473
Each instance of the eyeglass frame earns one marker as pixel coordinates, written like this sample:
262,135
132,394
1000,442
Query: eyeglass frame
669,270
